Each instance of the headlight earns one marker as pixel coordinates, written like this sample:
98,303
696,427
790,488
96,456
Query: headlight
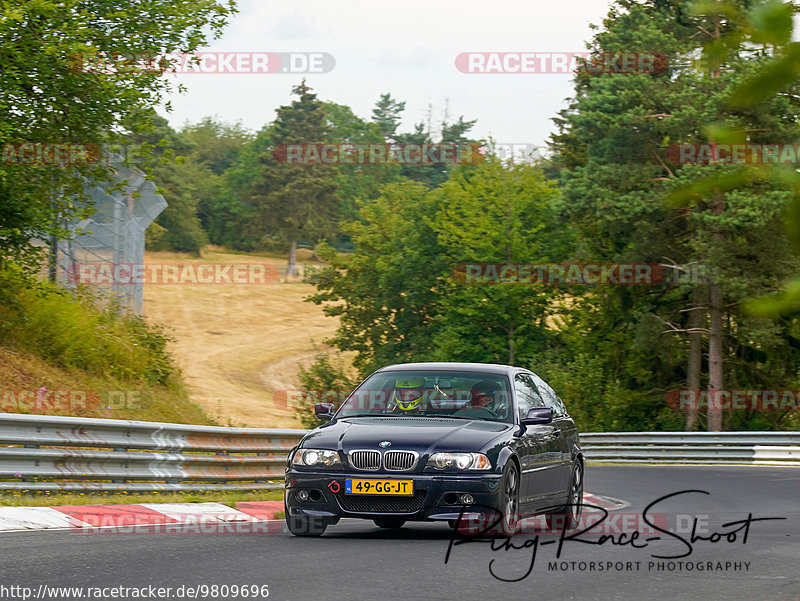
309,457
462,461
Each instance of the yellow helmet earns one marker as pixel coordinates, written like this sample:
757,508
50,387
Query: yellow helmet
408,392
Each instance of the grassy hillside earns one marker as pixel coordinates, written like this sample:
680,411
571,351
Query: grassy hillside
65,355
229,354
239,347
76,392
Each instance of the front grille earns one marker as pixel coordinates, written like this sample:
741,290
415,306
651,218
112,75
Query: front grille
382,504
365,460
399,461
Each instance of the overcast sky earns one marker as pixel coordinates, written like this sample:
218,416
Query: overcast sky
407,49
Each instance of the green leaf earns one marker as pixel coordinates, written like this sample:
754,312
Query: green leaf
781,303
720,133
773,78
707,187
773,22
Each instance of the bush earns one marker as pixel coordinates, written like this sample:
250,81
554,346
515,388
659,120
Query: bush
73,329
324,374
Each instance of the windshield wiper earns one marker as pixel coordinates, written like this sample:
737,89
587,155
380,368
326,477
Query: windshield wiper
371,415
461,417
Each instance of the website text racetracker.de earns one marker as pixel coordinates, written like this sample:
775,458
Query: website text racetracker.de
102,273
42,400
202,591
439,153
734,399
561,62
204,62
578,273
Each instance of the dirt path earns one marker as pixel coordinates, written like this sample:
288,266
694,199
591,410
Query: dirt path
239,344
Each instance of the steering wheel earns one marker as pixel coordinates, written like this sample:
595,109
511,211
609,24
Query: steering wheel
475,412
498,409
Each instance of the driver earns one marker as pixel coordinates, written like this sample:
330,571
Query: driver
408,393
483,394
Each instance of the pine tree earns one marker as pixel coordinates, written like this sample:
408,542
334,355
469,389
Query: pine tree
296,202
617,176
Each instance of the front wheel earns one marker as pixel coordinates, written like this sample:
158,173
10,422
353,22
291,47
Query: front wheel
510,499
571,512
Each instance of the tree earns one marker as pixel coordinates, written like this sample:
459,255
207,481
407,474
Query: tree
385,292
399,296
434,175
48,96
216,144
296,202
182,181
356,182
229,214
387,115
494,214
617,177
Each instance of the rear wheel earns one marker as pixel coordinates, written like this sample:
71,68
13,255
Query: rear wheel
571,512
389,522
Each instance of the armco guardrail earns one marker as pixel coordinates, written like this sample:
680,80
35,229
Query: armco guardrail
760,448
39,453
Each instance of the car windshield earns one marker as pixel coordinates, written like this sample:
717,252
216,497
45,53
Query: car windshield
454,394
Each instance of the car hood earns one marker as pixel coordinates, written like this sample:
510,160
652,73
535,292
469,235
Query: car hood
421,434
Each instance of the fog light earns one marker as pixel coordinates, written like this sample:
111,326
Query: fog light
466,499
302,495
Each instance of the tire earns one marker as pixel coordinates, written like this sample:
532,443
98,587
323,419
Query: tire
509,500
301,525
571,512
389,522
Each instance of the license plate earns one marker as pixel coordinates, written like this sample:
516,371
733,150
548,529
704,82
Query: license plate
354,486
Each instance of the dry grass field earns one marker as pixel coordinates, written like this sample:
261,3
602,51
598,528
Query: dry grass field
237,345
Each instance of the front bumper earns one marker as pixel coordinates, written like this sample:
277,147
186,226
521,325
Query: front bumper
435,496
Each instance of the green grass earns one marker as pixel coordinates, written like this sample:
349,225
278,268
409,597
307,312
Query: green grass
80,330
44,499
101,362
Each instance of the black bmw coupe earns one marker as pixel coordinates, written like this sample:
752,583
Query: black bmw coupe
438,441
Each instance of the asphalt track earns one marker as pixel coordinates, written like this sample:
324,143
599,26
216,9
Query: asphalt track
357,561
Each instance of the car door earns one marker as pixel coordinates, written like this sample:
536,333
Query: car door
539,456
564,430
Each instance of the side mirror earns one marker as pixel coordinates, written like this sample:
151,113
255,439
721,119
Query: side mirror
324,411
538,416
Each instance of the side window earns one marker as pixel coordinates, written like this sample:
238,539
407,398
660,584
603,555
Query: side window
527,396
550,397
